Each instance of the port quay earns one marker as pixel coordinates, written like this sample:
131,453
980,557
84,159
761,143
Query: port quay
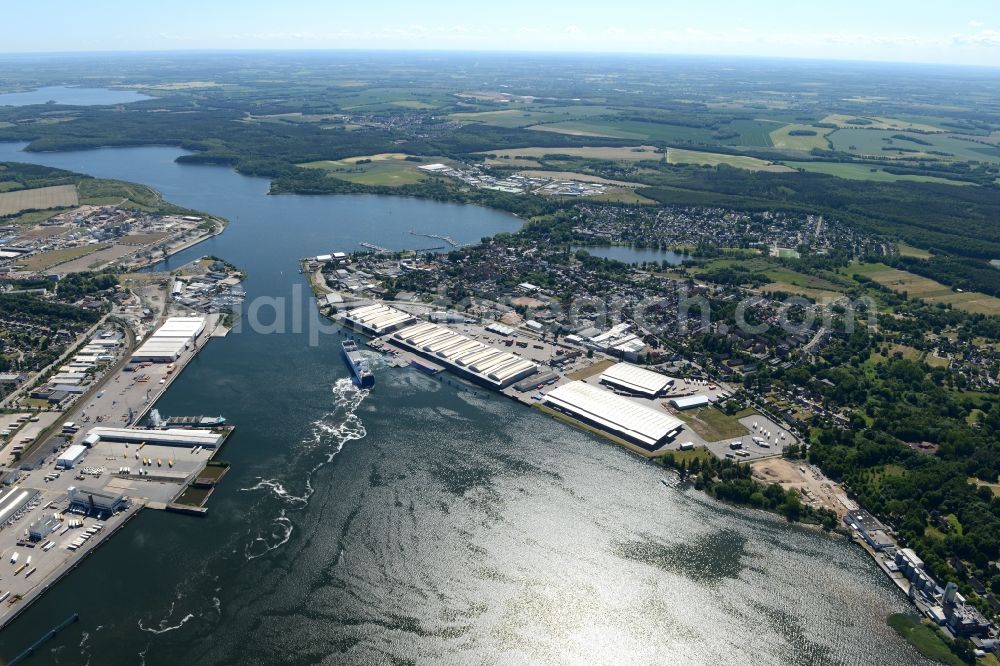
572,379
105,459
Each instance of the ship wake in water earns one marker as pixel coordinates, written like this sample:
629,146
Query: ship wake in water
329,434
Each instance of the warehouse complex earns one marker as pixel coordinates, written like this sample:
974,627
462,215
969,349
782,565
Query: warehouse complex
612,413
628,378
377,319
464,356
170,340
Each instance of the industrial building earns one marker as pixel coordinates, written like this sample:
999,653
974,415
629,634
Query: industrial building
71,456
377,319
689,402
614,414
465,356
628,378
43,527
91,500
869,528
187,437
170,340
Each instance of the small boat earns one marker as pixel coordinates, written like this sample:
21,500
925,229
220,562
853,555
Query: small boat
358,364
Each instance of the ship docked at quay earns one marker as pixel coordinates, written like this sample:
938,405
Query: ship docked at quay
358,364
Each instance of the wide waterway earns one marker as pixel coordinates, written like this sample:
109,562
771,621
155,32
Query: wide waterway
426,520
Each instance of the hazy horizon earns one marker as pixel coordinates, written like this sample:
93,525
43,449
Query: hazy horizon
967,34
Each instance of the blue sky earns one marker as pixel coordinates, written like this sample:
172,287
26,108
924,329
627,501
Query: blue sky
960,32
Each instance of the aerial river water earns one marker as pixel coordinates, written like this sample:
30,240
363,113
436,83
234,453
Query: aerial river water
426,521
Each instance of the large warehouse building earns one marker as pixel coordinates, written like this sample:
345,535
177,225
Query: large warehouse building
189,437
632,379
170,340
465,356
377,319
614,414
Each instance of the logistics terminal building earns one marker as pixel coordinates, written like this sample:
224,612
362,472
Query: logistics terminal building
170,340
464,356
377,319
628,378
614,414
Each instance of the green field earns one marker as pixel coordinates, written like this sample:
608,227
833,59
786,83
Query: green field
878,122
525,115
618,154
865,172
780,138
752,132
630,129
713,425
910,251
682,156
924,638
784,279
39,198
872,142
931,291
383,169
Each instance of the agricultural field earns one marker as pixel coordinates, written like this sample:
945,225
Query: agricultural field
753,132
682,156
630,129
375,98
39,198
616,154
931,291
523,116
781,138
877,122
852,171
883,144
382,169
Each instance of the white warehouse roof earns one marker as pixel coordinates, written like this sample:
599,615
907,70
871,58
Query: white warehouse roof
169,436
463,354
634,379
617,415
690,401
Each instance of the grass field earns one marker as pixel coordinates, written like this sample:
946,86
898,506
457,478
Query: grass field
682,156
852,171
382,169
619,154
780,138
931,291
39,198
910,251
872,142
629,129
924,638
713,425
623,196
591,370
784,279
532,114
878,122
573,175
45,260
